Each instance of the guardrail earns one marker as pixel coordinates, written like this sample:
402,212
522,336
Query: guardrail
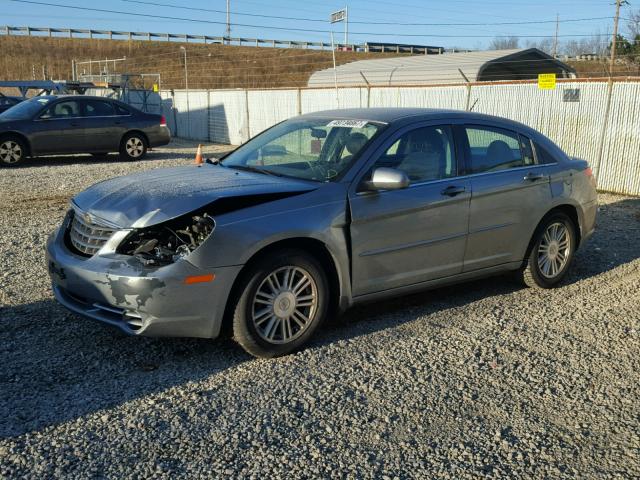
239,41
119,35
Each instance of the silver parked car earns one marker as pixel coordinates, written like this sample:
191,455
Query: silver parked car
316,214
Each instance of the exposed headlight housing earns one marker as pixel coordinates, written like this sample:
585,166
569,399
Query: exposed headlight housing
168,241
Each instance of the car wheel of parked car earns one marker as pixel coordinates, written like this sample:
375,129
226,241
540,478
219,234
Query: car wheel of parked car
282,302
133,147
554,244
12,151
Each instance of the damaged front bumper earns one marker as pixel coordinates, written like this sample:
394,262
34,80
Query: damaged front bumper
159,301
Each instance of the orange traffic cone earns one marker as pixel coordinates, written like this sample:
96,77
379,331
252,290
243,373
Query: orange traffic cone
199,160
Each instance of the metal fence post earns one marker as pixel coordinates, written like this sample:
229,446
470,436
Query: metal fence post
603,133
208,115
246,104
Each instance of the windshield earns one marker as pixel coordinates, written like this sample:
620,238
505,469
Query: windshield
26,109
317,149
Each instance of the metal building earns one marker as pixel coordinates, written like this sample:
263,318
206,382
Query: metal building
481,66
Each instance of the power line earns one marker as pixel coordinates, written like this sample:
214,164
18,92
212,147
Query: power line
479,24
291,29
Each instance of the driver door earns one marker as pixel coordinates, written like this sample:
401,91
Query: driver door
417,234
59,129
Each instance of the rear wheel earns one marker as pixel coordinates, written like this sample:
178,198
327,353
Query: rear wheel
133,146
554,245
13,151
283,301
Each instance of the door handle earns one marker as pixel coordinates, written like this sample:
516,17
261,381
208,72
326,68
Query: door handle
532,177
74,124
452,191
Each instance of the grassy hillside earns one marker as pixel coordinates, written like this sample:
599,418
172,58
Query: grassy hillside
209,66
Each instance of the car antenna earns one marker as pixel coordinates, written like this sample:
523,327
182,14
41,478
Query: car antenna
474,104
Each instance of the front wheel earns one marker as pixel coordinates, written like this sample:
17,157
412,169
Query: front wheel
554,245
283,301
12,151
133,146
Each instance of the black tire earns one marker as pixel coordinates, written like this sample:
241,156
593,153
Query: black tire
133,146
252,335
537,272
13,151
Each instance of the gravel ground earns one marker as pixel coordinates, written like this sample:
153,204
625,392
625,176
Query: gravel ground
482,379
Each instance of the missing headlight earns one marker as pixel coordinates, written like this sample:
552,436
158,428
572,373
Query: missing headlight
169,241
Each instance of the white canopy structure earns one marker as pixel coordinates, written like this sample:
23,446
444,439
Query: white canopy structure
518,64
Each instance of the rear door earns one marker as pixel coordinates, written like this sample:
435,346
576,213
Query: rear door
408,236
510,193
104,127
59,129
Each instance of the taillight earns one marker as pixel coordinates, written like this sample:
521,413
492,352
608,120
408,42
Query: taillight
589,173
163,121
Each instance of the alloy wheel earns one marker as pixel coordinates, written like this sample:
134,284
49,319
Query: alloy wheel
285,304
10,152
134,147
554,250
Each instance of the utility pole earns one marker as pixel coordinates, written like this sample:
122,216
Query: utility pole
615,35
346,26
228,32
555,40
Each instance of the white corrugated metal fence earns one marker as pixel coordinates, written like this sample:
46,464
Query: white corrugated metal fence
234,116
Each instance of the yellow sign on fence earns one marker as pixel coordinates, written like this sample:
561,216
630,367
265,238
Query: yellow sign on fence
546,81
156,87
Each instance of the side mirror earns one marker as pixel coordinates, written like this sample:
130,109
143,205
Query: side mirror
387,179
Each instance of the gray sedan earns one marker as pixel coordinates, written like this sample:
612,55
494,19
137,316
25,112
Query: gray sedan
319,213
68,124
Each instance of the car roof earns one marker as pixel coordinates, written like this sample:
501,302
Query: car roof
397,114
69,96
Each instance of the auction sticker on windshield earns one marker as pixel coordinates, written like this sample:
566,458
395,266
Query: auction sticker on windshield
347,123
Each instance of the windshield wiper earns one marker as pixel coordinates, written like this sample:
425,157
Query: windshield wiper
249,168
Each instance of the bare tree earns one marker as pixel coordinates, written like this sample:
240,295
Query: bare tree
633,23
503,43
545,44
595,44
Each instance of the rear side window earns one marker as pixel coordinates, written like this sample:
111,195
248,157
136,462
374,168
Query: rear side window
98,108
424,154
120,110
527,150
495,149
543,155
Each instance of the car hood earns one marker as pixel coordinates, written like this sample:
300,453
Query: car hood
152,197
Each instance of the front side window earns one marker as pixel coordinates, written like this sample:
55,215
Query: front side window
424,154
311,149
98,108
495,149
66,109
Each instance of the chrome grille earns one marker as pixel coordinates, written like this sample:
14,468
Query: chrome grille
86,236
